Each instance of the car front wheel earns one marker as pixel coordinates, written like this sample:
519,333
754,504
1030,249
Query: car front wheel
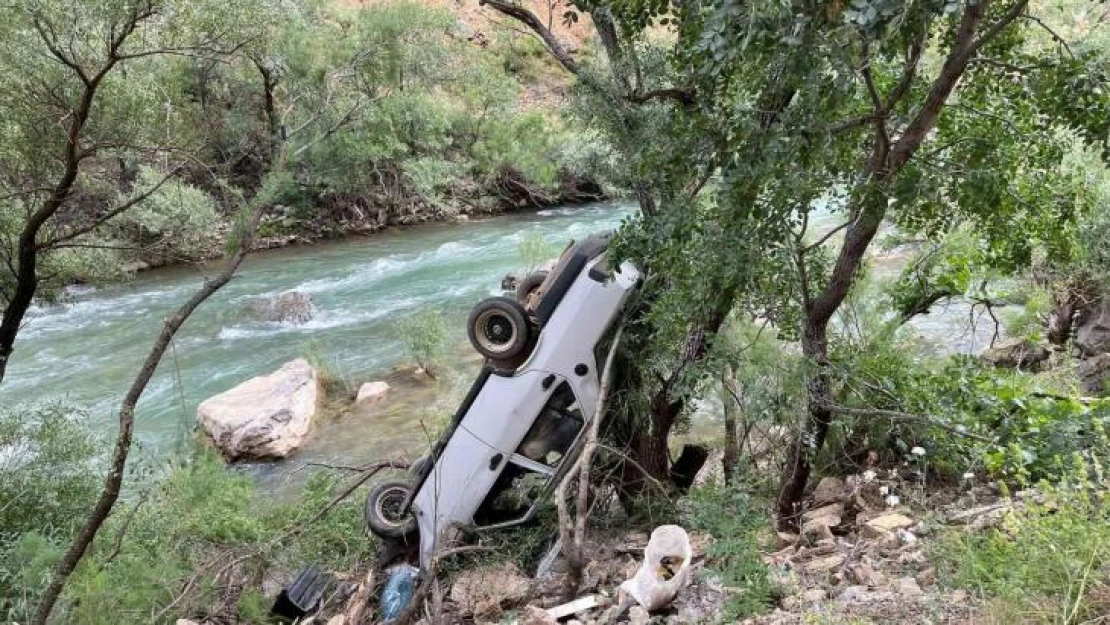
383,510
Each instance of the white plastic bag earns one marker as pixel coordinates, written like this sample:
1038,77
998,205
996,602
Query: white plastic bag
665,569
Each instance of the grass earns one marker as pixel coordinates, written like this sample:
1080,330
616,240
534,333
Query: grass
202,511
737,520
1048,563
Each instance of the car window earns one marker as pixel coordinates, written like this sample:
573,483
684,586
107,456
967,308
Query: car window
555,429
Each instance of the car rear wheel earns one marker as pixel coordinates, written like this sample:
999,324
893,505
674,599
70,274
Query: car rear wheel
383,510
498,328
529,286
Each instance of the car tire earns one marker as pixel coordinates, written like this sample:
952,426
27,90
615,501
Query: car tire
529,285
383,506
499,330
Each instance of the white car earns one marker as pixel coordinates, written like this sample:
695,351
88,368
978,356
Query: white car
521,426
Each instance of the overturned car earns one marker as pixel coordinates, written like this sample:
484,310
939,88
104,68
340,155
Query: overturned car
522,424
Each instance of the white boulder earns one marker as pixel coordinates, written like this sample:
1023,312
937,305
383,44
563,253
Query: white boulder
372,392
264,417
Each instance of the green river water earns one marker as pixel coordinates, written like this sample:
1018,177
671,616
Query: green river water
86,349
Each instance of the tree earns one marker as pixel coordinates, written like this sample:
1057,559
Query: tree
72,106
879,111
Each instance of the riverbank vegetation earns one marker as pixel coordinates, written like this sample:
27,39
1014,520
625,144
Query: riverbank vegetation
777,153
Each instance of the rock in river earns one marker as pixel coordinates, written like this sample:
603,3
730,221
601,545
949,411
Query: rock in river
264,417
291,307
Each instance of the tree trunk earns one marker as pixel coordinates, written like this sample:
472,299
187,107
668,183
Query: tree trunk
731,457
113,481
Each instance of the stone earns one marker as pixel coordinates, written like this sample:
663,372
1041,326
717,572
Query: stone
1094,376
372,392
891,522
819,529
1016,353
485,591
338,619
823,564
829,490
834,510
785,539
1092,336
814,595
907,587
535,615
881,537
864,575
265,417
638,616
184,621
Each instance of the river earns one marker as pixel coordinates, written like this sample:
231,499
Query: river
86,349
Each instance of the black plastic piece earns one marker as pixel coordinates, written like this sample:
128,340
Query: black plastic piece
495,462
581,369
548,381
303,595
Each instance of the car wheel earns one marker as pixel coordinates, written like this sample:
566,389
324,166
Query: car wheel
529,285
383,510
498,329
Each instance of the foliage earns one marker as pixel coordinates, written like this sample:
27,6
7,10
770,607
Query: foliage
175,215
424,335
1046,563
199,511
736,519
48,460
534,250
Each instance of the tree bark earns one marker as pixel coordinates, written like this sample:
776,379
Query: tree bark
731,457
112,482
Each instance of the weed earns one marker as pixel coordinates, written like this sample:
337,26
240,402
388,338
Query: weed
736,519
1047,563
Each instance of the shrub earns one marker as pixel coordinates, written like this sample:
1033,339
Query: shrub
534,250
424,335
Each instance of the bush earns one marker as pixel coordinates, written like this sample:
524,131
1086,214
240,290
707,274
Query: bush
534,250
424,335
51,475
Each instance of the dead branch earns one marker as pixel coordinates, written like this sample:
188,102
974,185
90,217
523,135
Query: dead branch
572,535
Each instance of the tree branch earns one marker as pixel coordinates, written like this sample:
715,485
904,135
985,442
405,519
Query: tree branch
533,22
113,481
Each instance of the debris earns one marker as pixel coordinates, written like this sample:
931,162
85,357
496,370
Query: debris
785,539
398,590
578,605
303,594
665,569
485,591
